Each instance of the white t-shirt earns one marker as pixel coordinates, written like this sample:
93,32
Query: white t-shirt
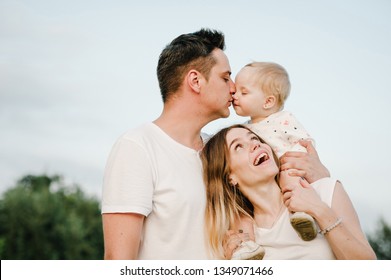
149,173
281,242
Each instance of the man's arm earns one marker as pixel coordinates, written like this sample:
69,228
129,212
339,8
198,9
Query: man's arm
122,235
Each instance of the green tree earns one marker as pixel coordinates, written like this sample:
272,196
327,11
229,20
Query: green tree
41,218
381,240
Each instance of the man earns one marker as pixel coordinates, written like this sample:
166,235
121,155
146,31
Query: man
153,195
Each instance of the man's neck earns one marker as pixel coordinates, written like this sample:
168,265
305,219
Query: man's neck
183,127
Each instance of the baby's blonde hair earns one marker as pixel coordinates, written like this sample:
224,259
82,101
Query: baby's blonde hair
273,80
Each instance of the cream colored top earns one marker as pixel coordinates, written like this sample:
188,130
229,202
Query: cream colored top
282,131
281,242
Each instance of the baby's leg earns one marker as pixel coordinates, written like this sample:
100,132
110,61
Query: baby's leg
303,223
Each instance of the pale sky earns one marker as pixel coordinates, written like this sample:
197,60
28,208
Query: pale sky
75,75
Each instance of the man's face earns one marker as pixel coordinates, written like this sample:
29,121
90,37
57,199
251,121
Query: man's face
217,91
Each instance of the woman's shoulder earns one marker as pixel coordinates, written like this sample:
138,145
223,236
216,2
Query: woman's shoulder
325,188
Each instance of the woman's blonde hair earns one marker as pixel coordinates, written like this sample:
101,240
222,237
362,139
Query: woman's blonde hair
273,80
225,202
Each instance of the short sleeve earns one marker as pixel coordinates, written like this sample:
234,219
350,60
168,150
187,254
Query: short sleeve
128,180
325,189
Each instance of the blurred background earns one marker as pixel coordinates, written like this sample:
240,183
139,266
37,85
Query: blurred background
75,75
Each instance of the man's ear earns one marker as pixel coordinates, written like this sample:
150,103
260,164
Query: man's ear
270,101
193,80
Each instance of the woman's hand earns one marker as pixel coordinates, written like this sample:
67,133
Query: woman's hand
302,199
232,241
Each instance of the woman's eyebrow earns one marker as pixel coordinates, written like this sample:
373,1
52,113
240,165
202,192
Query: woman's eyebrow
238,138
233,142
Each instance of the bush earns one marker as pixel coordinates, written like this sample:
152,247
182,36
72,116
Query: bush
41,218
381,241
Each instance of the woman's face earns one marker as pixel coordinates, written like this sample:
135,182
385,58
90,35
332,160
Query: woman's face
251,161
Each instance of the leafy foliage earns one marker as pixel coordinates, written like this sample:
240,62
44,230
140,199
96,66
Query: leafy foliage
381,241
41,218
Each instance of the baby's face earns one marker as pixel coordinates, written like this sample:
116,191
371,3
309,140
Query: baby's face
248,98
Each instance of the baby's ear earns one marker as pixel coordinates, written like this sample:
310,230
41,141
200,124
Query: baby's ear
270,101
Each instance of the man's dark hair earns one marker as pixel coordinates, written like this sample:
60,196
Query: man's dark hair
185,52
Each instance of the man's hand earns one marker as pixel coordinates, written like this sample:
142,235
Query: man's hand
306,165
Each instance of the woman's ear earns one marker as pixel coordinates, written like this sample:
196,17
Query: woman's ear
270,101
232,180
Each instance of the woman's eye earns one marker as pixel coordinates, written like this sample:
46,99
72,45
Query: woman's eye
238,146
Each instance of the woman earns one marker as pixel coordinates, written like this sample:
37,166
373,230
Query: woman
240,172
